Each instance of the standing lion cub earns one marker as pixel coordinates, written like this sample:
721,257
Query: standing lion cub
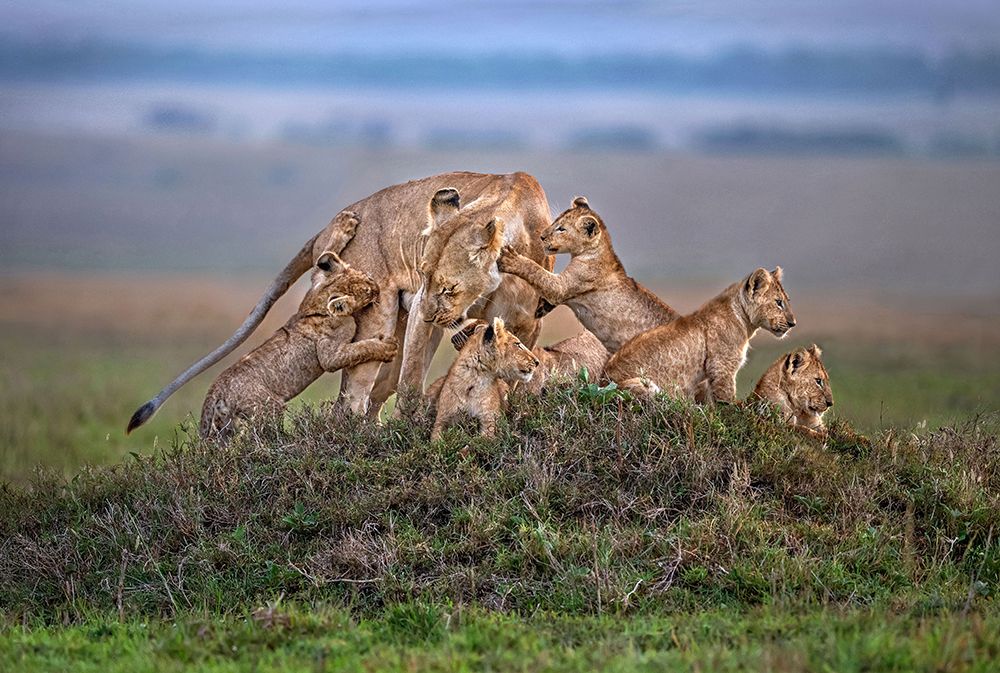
476,383
315,340
797,383
609,302
708,346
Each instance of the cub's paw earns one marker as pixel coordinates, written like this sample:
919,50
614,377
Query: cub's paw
386,348
509,260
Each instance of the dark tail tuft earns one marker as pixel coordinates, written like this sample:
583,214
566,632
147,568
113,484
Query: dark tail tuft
141,415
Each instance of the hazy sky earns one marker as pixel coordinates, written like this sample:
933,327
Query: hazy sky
569,26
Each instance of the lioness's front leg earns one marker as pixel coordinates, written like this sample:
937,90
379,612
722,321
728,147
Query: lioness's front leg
415,346
551,286
358,380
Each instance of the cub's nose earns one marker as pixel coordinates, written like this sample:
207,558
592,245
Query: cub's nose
791,323
829,403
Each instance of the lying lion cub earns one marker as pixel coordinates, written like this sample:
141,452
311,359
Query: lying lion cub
708,346
800,387
564,358
594,284
476,383
316,339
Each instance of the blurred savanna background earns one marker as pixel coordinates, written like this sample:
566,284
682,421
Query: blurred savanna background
160,162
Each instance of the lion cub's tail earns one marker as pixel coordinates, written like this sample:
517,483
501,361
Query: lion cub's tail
301,263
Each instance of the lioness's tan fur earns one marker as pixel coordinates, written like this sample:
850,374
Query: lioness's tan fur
705,347
798,384
477,381
315,340
609,302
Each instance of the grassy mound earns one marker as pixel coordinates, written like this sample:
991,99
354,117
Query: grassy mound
587,503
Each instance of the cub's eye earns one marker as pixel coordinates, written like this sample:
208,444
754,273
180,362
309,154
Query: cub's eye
780,303
558,229
820,383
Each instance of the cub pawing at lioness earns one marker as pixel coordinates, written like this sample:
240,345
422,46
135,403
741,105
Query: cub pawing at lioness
477,381
708,346
798,384
609,302
315,340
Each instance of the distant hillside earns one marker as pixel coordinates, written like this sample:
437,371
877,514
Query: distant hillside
802,70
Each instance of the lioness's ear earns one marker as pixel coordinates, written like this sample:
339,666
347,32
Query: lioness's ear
490,235
590,225
581,202
777,273
757,281
330,262
444,204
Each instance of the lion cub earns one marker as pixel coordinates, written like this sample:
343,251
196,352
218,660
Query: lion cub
476,383
566,358
315,340
594,284
800,387
704,350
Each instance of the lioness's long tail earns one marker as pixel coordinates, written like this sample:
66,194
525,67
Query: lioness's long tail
295,268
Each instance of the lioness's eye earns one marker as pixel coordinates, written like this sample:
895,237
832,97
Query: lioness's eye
560,228
780,303
819,382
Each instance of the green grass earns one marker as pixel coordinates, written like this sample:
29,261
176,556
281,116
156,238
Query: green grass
417,637
594,534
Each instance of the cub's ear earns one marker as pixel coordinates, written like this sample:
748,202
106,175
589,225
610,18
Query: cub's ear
443,206
337,306
330,262
581,202
462,336
777,273
796,360
490,334
590,226
815,350
757,281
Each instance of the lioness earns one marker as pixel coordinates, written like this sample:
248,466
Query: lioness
708,346
316,339
476,382
608,302
800,387
390,244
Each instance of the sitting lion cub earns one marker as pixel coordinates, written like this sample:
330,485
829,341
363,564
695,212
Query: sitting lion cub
594,284
800,387
705,347
564,358
316,339
476,383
